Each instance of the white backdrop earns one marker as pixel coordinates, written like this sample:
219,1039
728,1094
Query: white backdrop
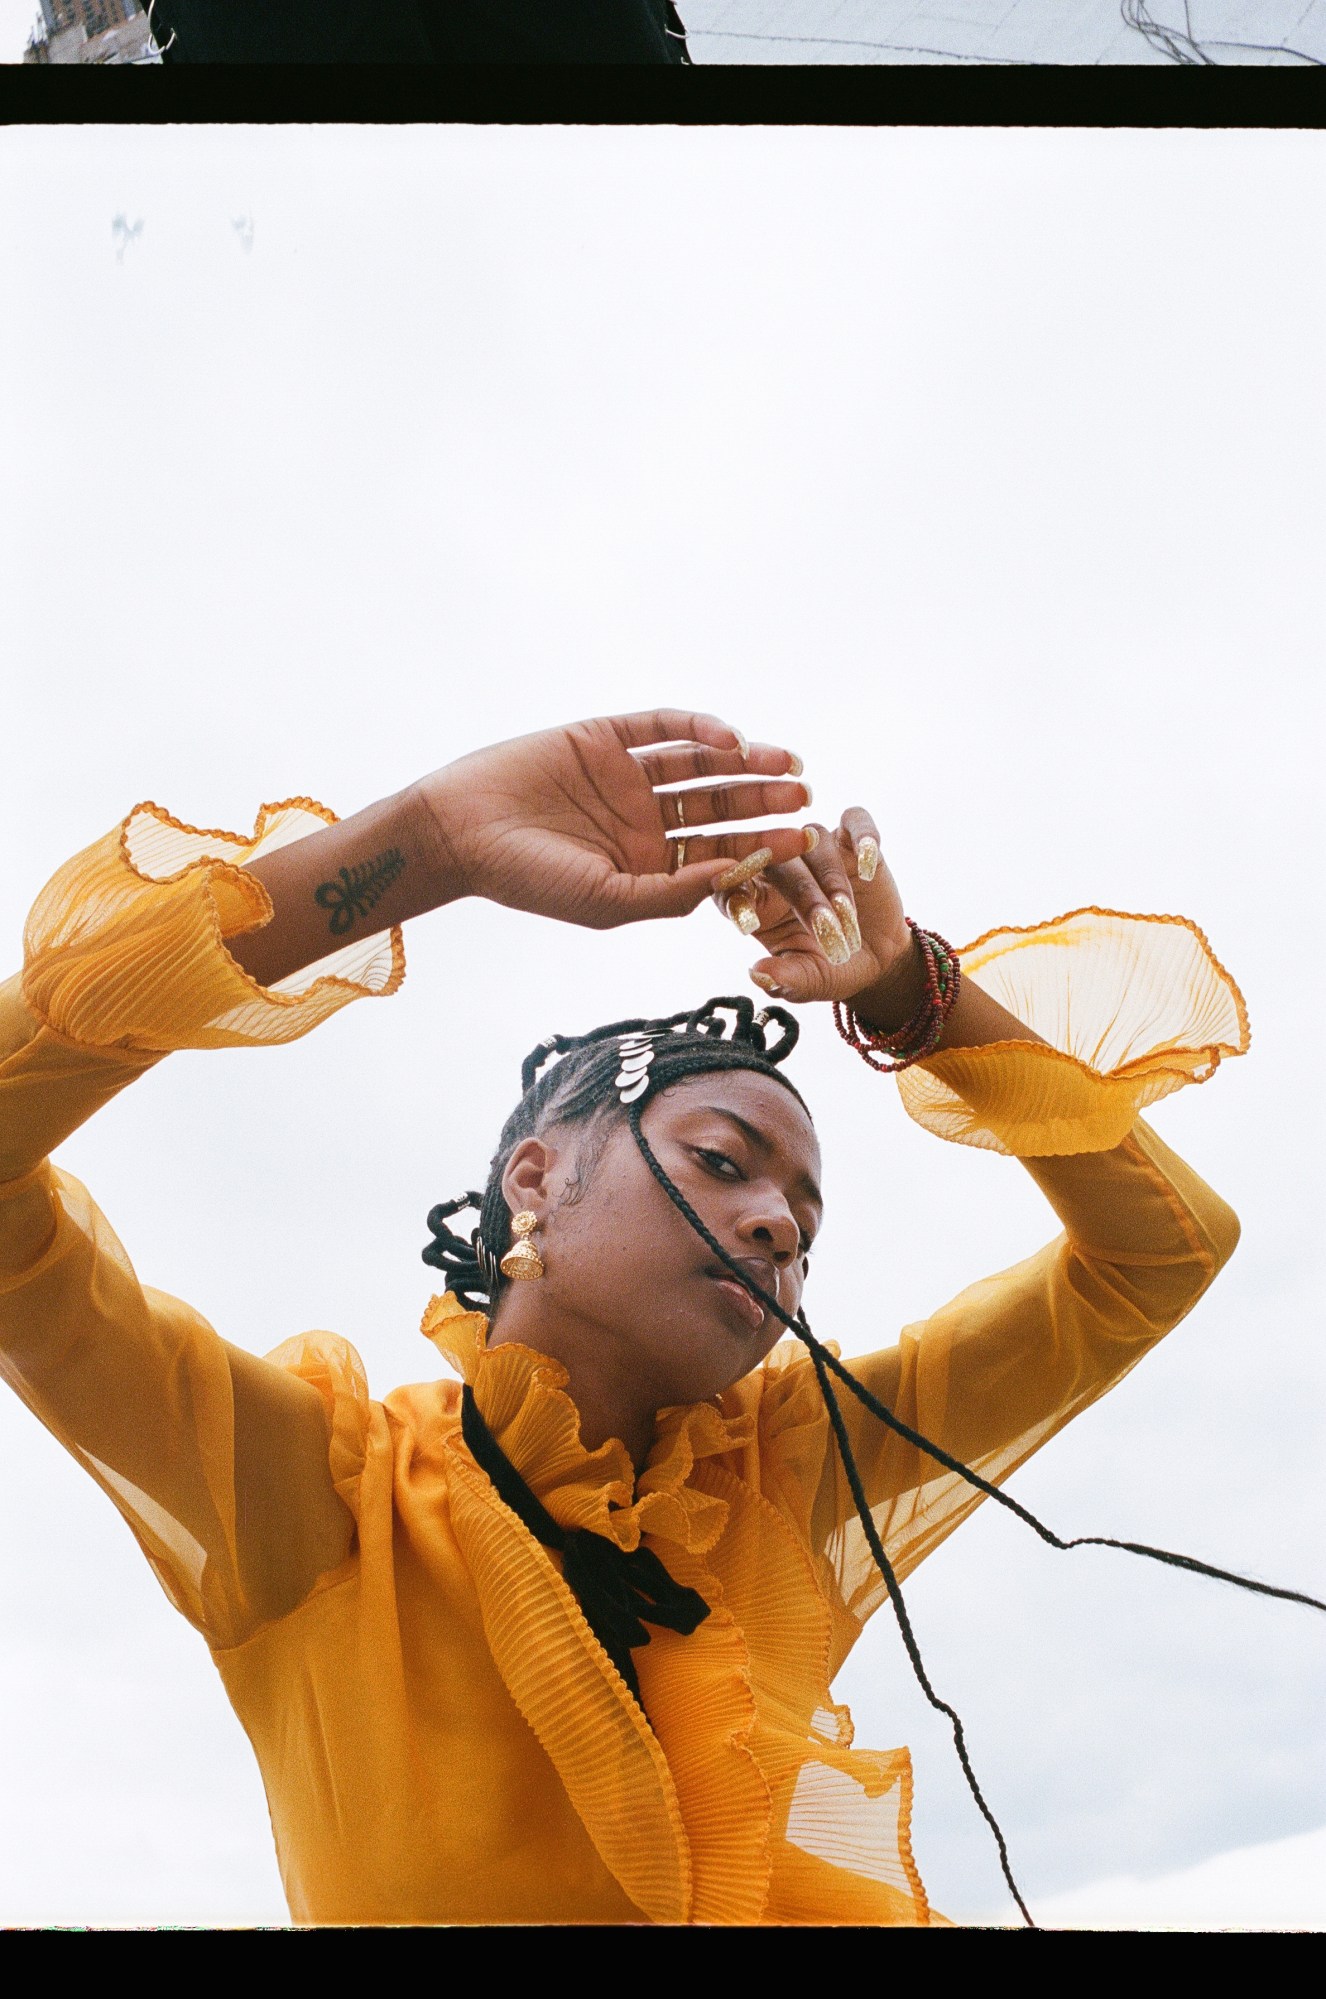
981,467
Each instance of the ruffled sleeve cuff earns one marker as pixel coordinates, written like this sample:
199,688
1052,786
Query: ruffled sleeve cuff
1129,1008
124,947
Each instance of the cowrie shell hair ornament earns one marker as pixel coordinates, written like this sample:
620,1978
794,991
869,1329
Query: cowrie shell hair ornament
636,1052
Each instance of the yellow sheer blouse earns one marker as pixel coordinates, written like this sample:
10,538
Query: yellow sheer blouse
440,1735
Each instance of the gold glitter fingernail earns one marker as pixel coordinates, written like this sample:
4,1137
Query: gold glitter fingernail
867,857
812,836
741,908
810,796
795,767
831,940
742,745
743,871
847,917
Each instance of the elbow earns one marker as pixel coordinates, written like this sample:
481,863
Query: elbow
1215,1228
1153,1294
1221,1228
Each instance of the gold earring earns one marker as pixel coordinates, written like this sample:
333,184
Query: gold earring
522,1259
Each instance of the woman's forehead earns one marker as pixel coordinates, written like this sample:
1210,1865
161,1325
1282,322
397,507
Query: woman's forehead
747,1096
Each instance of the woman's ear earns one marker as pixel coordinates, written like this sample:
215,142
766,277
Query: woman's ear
525,1181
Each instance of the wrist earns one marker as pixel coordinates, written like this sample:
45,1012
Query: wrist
423,807
890,1000
347,881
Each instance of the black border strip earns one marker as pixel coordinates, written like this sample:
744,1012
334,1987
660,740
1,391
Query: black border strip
1142,97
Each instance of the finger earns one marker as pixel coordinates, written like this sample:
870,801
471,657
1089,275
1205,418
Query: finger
633,898
676,725
741,907
691,760
804,891
760,912
859,836
796,975
705,804
778,843
827,863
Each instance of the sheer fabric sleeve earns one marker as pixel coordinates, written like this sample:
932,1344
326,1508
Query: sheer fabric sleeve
217,1460
124,946
1131,1008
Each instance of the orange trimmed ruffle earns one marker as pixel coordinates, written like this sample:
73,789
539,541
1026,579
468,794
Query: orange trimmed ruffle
125,945
736,1801
1129,1008
522,1398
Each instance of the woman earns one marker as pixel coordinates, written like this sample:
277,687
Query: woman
558,1645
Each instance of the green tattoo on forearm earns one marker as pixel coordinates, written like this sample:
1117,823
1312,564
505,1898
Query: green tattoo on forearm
355,890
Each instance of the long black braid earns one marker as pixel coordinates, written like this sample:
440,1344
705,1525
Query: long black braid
687,1044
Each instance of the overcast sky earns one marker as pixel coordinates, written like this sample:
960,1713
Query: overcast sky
984,469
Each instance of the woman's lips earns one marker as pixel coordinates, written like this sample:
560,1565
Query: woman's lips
747,1307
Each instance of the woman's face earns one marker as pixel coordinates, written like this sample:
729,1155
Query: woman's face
621,1260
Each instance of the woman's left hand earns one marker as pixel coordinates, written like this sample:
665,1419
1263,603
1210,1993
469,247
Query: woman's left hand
831,924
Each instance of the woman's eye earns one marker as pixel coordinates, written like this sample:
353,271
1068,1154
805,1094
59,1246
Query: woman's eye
726,1168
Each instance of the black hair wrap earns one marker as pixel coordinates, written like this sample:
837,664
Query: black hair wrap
688,1044
470,1268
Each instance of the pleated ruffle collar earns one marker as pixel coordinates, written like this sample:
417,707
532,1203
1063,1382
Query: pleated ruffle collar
522,1398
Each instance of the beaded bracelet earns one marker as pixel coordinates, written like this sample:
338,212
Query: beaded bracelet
917,1037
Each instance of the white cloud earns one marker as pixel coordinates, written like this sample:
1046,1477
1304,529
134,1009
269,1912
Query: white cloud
1280,1885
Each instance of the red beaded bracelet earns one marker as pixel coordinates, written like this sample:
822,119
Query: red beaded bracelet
917,1037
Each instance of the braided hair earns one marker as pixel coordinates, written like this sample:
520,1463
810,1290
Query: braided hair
583,1087
579,1089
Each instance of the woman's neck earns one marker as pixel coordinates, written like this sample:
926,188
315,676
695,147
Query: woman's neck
603,1374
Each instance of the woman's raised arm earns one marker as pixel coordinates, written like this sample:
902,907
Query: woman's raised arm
578,823
1066,1030
161,937
217,1461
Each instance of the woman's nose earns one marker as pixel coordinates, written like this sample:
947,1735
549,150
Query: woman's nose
777,1234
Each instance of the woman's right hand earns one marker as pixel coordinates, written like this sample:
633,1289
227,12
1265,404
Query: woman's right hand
571,822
